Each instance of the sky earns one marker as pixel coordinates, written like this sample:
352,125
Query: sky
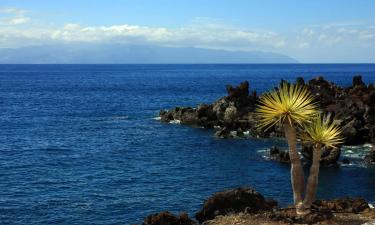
319,31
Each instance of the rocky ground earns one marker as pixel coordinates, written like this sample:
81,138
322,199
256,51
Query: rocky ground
246,206
365,218
233,115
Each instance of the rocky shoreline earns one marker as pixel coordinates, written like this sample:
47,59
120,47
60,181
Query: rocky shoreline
247,201
233,116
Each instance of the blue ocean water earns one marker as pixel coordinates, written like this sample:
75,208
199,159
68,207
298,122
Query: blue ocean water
79,143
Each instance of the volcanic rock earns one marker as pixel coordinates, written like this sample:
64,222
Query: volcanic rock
233,201
279,155
166,218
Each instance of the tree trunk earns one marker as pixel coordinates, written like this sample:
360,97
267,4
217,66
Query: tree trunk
312,182
297,176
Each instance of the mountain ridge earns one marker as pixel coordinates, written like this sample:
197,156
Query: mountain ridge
132,54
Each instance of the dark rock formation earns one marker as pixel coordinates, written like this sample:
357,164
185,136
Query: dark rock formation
329,157
345,205
279,155
166,218
233,201
357,81
248,201
345,161
353,108
370,158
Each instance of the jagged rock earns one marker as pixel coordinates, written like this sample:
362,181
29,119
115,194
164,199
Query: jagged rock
329,157
242,91
370,158
279,155
230,114
344,205
222,133
300,81
167,218
165,116
234,201
357,81
351,133
352,107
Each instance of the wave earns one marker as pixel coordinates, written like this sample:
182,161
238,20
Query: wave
175,121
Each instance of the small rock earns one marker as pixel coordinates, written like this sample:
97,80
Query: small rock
370,158
345,161
279,155
167,218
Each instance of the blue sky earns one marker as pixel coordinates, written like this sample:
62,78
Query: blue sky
310,31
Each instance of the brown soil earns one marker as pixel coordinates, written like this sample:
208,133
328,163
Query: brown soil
367,218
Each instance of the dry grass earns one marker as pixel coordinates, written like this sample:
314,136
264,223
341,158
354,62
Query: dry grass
260,219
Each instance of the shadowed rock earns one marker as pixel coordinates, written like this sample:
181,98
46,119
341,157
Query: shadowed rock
279,155
167,218
329,157
233,201
370,158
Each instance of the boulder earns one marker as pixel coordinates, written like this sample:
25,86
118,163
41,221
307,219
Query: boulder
351,132
219,108
230,114
370,158
234,201
222,133
167,218
279,155
345,161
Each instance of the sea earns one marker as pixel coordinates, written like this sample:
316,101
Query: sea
82,144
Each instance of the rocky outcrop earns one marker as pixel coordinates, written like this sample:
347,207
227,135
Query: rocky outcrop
167,218
247,201
233,201
329,156
233,115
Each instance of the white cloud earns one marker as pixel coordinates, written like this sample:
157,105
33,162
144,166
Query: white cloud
13,16
336,35
304,45
201,32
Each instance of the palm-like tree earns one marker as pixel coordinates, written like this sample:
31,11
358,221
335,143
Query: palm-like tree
321,132
289,105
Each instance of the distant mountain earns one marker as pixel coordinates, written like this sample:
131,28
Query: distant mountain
116,54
